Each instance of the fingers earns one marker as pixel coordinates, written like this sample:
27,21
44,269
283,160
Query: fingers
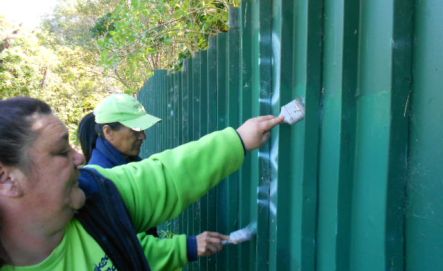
264,118
209,243
269,122
214,244
218,235
254,132
265,137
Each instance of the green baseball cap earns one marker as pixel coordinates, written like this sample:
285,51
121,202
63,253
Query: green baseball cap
125,109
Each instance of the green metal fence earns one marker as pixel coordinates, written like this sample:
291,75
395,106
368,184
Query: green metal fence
357,185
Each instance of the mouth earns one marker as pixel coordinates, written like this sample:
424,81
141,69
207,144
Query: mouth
75,177
138,145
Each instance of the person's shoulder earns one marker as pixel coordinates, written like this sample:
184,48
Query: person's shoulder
89,178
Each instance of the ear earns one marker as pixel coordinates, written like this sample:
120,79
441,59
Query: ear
9,184
107,133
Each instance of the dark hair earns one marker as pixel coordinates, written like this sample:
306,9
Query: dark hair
87,135
16,135
89,130
15,127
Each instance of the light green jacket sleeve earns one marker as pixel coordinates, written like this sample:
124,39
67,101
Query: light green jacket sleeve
161,187
167,254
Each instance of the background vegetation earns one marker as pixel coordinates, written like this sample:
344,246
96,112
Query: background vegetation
89,48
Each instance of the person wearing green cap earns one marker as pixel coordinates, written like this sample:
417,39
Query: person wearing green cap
111,136
121,121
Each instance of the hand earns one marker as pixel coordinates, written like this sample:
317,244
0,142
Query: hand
256,131
209,243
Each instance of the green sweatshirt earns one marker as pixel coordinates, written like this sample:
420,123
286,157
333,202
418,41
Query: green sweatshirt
154,190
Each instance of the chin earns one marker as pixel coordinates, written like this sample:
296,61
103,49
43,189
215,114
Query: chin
78,198
134,154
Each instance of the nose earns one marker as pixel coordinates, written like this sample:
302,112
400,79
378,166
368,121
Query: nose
141,135
79,159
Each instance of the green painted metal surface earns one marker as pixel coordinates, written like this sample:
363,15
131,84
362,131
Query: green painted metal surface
357,184
424,220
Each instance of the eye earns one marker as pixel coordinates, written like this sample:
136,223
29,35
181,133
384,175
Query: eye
64,152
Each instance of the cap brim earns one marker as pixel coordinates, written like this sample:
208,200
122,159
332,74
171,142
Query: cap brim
141,123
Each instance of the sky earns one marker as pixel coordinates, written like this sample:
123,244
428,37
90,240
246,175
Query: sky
27,12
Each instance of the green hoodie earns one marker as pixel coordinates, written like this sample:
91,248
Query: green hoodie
154,190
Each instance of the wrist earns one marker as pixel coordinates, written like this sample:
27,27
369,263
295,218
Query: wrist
242,142
191,248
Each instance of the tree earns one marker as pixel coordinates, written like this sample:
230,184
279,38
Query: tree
61,62
138,37
132,38
21,61
34,64
72,20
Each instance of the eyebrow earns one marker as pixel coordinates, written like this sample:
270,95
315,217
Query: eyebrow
60,143
62,140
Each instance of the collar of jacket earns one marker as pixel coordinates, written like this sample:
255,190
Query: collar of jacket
107,156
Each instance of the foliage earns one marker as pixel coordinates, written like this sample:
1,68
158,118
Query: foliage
89,48
33,64
132,38
21,62
72,20
141,36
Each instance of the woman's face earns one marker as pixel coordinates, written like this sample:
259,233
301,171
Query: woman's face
126,140
52,178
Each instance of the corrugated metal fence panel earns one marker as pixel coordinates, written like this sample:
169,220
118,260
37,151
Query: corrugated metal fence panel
357,184
232,112
248,190
340,66
425,206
